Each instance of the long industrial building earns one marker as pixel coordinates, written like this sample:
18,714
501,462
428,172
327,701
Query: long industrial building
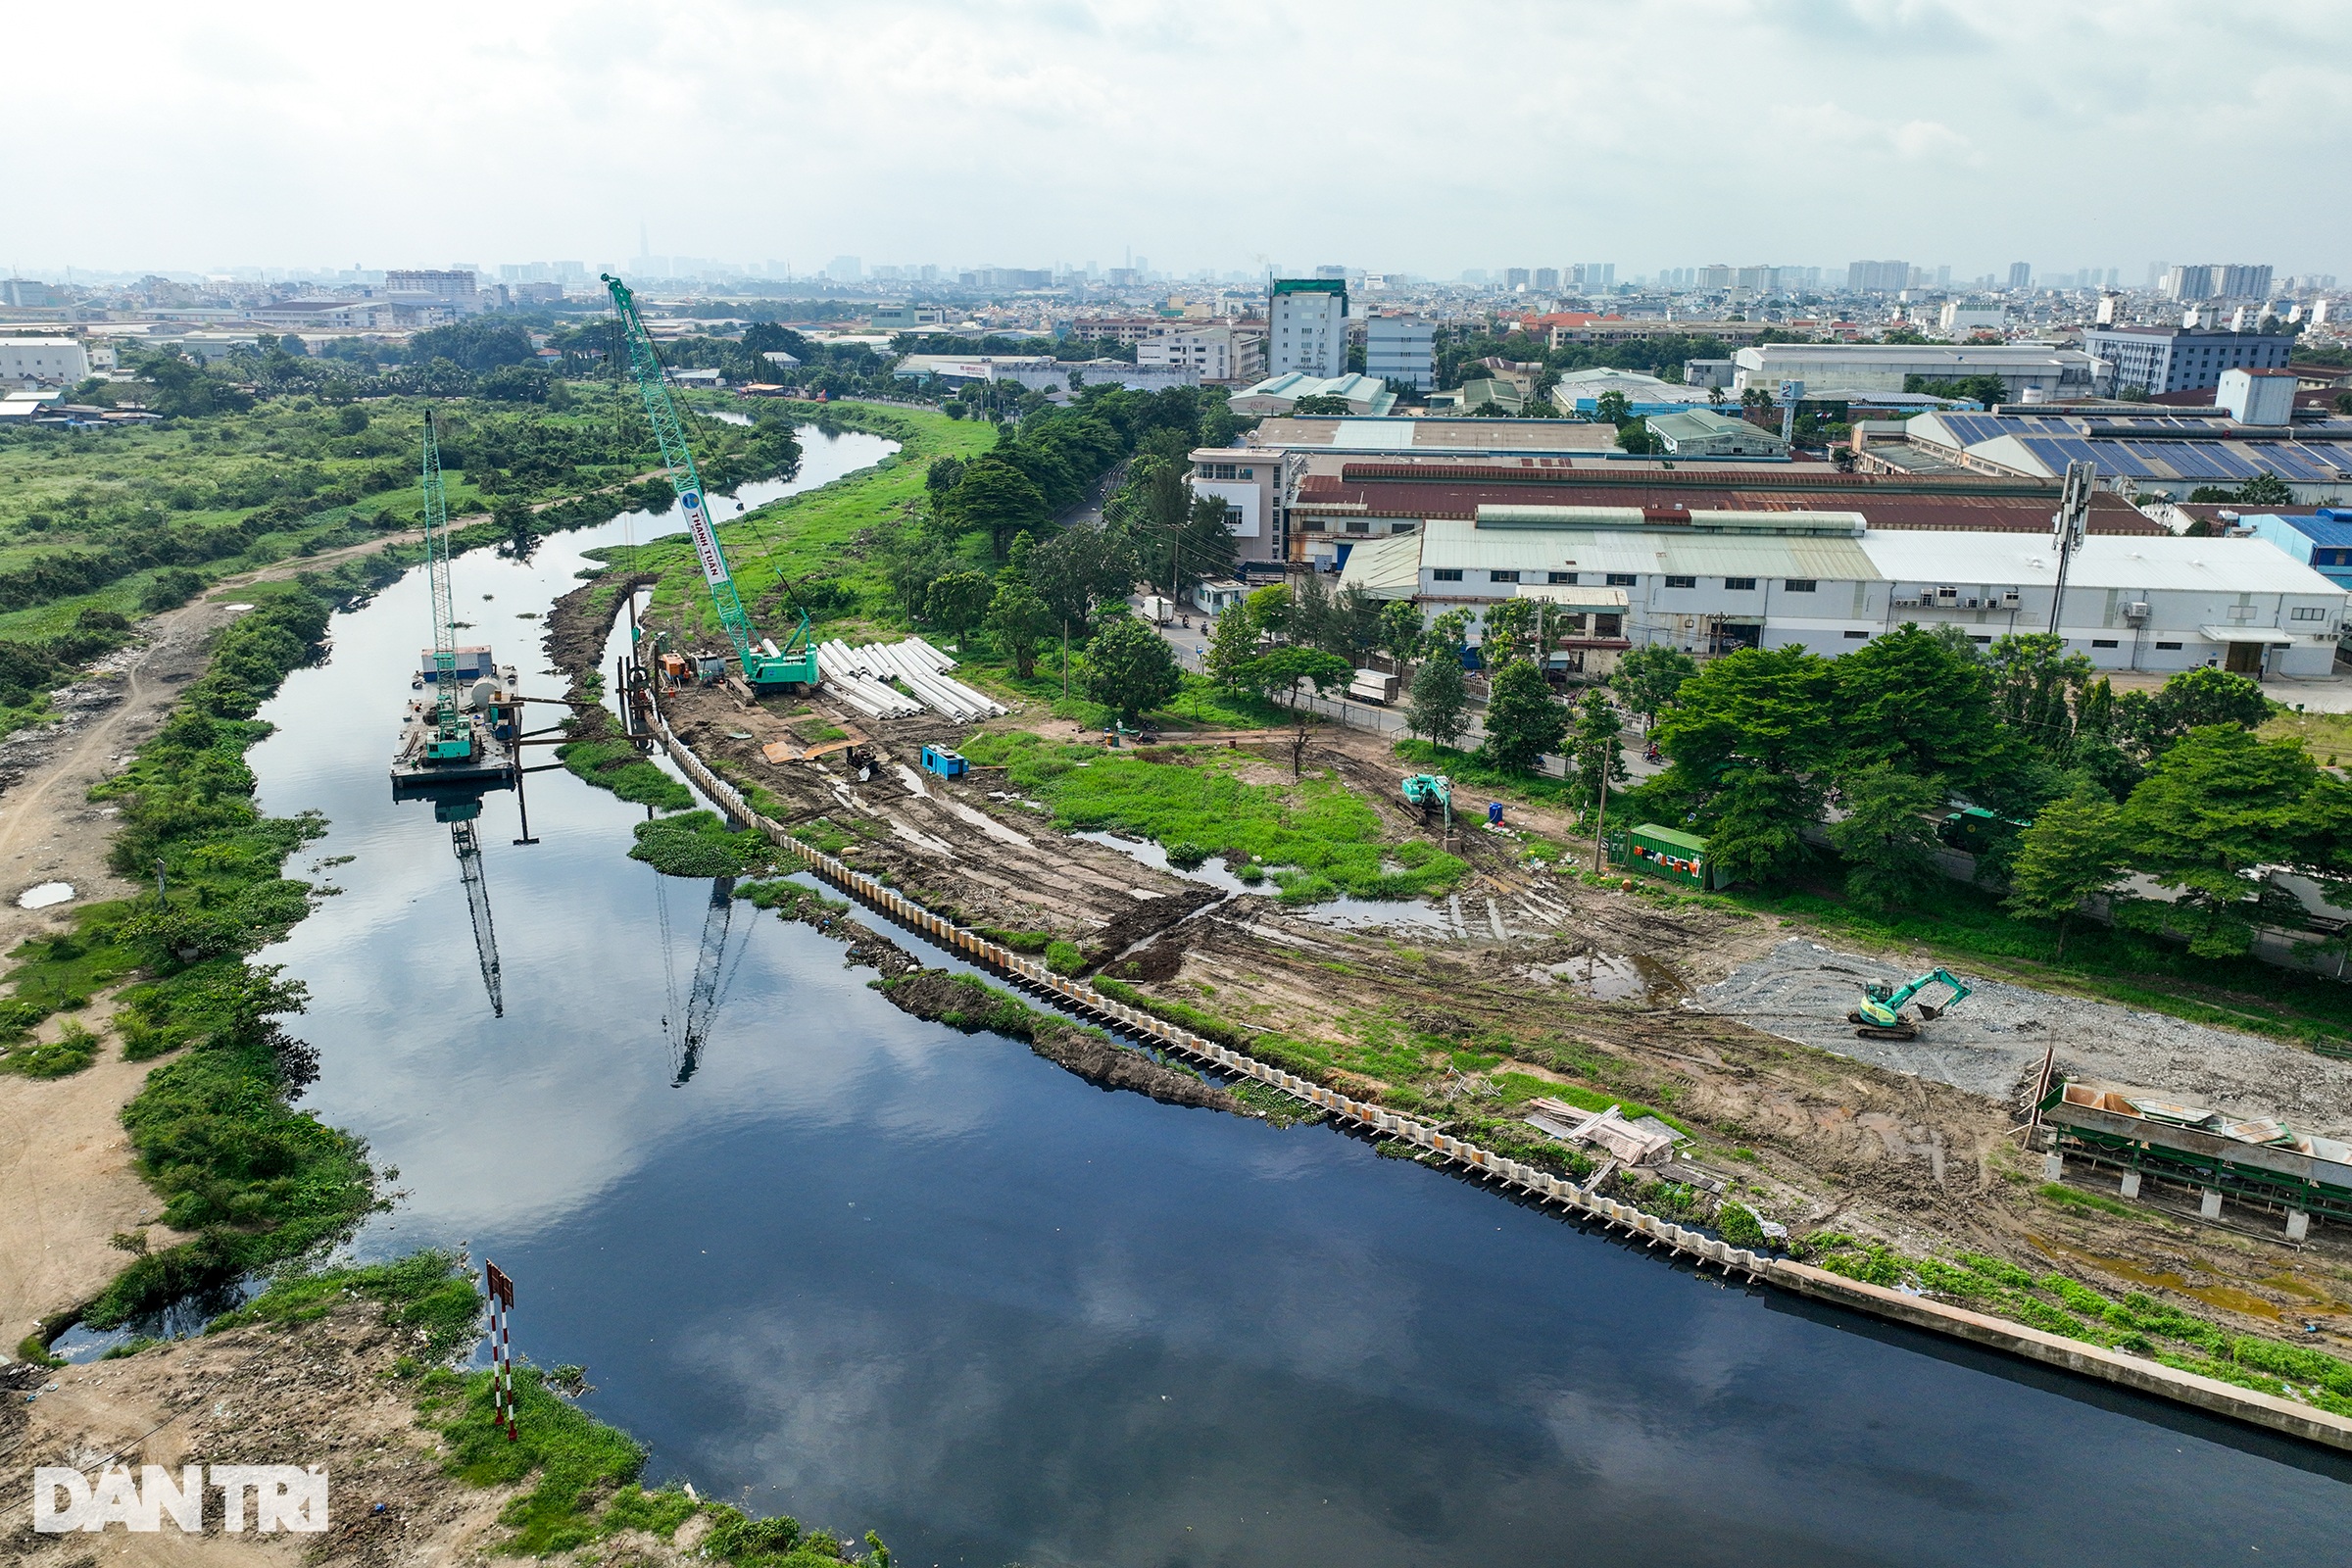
2171,453
1710,581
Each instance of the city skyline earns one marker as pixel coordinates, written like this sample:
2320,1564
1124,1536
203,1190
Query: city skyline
1664,137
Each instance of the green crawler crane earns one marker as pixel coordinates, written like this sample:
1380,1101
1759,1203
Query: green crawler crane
764,666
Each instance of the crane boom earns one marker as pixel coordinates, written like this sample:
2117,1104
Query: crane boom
452,739
764,665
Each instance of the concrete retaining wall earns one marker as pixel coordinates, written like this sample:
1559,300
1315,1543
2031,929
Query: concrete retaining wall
1526,1181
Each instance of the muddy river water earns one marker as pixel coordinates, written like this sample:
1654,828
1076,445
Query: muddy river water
882,1275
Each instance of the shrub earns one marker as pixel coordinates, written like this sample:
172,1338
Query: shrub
1740,1226
1065,958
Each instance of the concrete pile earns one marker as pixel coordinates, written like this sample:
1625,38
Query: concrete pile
860,675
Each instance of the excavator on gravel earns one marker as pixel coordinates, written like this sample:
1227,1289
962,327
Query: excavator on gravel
1881,1016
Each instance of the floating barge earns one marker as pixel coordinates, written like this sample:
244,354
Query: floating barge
486,701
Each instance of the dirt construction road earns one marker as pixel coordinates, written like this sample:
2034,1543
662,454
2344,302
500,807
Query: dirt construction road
67,1183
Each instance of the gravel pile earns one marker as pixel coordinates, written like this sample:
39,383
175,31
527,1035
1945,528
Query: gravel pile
1992,1043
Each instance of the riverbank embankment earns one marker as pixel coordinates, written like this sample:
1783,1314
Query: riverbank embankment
1523,1181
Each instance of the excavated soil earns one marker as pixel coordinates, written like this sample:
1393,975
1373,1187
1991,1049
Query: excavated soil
1993,1043
1668,1002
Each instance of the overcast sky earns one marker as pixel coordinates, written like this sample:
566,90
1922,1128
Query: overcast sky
1421,137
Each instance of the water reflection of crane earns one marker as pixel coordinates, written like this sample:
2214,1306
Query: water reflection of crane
688,1028
469,848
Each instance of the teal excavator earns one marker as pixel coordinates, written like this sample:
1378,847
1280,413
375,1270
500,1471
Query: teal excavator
1428,792
764,666
1881,1016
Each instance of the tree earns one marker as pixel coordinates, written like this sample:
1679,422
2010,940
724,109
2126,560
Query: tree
1401,630
1129,669
1595,750
1758,820
1437,710
1649,679
2217,806
1233,645
1908,699
959,601
1018,619
2266,490
2036,686
992,496
1523,723
1772,707
513,516
942,475
1611,408
2075,850
1888,846
1447,635
1296,666
1507,622
2195,698
1073,571
1270,607
1320,406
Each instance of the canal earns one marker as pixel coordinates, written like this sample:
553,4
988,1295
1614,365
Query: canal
878,1274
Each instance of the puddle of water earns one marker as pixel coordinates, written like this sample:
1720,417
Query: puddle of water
44,895
1214,872
1620,977
2225,1297
1351,914
1370,914
181,1319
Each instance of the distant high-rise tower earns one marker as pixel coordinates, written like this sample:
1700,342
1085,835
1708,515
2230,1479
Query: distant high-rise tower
2021,275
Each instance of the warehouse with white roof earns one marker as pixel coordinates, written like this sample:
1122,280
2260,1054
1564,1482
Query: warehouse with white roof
1826,581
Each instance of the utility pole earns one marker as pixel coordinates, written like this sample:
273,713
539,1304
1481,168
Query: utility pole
1600,819
2068,525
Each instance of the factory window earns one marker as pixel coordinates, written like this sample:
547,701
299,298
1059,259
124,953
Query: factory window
1741,585
2169,646
2311,613
1563,576
1502,576
2102,642
1609,626
1448,574
1798,585
1622,579
1311,525
1672,581
1984,639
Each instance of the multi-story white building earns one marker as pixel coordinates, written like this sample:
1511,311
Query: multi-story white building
2040,368
1402,349
1222,353
1306,326
1827,582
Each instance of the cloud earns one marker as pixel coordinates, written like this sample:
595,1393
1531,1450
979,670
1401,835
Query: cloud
1404,136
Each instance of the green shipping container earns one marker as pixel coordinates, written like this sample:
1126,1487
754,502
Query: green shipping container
1668,854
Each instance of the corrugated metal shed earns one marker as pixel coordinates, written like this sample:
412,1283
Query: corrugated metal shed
1823,560
1386,568
2216,565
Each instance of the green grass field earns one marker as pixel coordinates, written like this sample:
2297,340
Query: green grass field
1315,838
819,532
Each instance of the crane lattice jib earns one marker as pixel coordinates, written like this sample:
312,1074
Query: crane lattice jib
447,725
671,431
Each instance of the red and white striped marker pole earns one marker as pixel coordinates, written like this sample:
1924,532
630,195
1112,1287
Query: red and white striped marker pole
502,1384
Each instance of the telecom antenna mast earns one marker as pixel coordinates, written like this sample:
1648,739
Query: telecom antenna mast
2068,525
